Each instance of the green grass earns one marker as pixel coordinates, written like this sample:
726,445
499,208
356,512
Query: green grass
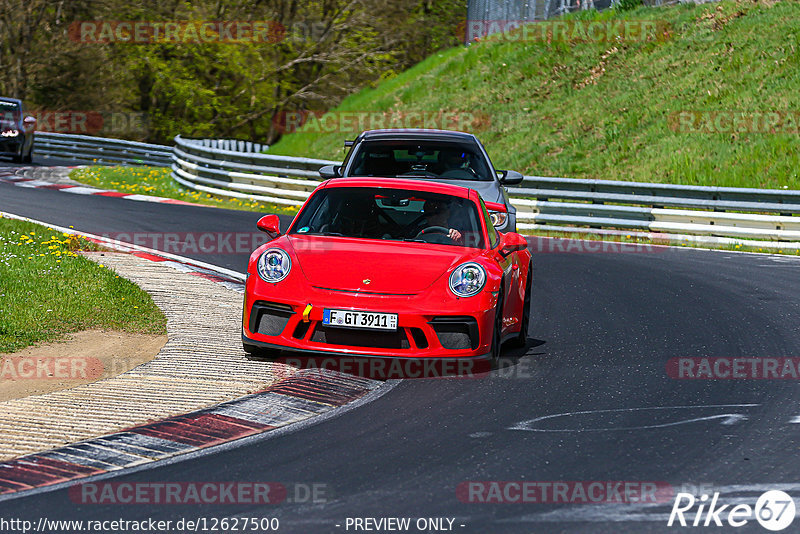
156,181
47,290
603,110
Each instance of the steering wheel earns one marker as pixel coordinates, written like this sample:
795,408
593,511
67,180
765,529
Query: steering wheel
433,229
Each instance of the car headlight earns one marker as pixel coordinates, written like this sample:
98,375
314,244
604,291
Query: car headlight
274,265
10,133
498,218
467,279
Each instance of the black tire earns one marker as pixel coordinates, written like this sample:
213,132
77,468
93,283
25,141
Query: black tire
522,338
497,333
17,158
29,157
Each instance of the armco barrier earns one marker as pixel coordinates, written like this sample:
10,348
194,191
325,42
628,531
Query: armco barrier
239,169
92,149
244,172
702,210
540,201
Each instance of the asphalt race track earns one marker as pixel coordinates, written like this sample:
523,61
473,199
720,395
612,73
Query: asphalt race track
38,161
604,327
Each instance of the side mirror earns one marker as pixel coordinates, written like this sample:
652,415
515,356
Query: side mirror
330,171
512,242
29,120
270,224
510,177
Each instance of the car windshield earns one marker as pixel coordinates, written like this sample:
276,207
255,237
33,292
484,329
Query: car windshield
391,214
9,112
429,159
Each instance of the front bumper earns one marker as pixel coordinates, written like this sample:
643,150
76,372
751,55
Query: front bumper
11,146
447,328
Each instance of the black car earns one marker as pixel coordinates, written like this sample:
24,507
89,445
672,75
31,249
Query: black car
16,131
438,155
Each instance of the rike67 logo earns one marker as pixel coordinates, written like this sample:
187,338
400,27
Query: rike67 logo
774,510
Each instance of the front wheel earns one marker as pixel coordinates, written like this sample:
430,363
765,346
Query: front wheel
497,335
29,157
522,337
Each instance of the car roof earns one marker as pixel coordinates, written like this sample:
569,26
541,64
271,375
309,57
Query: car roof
12,100
400,183
416,134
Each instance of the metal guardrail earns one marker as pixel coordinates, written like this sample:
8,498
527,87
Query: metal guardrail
540,201
701,210
92,149
239,169
244,173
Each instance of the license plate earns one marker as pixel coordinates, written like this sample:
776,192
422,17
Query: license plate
359,319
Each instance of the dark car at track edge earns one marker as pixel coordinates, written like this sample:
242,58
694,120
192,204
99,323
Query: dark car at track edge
16,131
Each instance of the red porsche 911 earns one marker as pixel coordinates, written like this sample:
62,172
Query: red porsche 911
396,268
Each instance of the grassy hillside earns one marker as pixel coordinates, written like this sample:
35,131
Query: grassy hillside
606,110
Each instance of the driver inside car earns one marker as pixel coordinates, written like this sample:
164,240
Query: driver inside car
437,214
450,160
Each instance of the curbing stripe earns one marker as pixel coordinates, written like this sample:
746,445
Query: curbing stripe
22,181
80,190
74,469
35,465
15,472
176,435
160,447
57,186
277,406
96,452
228,426
8,486
306,394
271,409
60,455
125,446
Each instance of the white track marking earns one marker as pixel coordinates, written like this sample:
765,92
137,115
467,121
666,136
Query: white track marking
727,418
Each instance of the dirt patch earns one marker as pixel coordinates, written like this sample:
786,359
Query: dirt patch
82,358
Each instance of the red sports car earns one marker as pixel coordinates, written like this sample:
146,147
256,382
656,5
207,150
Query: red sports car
394,268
